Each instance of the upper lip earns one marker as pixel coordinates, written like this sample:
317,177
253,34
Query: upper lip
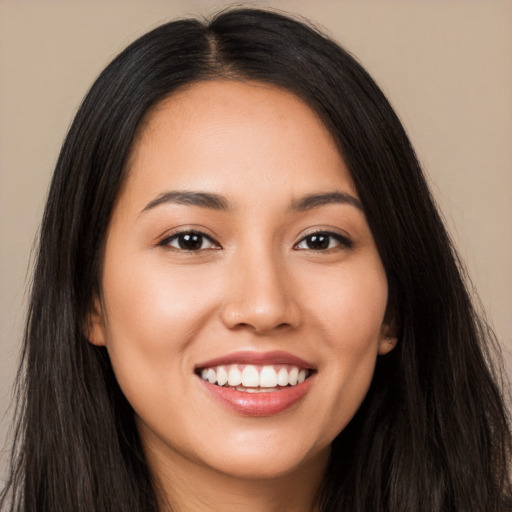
257,358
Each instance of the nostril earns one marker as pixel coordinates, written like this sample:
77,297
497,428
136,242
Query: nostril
260,328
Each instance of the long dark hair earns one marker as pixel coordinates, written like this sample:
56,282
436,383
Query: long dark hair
433,432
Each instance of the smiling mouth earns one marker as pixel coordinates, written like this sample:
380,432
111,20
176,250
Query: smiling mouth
254,378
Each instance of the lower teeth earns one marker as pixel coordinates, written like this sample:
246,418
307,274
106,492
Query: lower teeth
255,390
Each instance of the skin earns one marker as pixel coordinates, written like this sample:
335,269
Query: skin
255,284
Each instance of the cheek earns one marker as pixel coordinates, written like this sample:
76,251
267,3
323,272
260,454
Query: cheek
155,306
350,317
153,313
349,305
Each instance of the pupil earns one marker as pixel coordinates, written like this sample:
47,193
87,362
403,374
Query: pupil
190,241
318,242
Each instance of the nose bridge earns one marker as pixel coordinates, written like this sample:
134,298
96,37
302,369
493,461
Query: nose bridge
259,294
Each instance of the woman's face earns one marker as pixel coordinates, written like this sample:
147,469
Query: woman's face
238,252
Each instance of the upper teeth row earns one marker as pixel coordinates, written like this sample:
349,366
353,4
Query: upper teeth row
251,376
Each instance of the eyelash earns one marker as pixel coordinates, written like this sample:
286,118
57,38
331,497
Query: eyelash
330,236
181,237
198,237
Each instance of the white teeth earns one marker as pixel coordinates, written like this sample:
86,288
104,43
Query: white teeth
222,376
234,376
211,376
250,377
282,377
292,376
268,377
253,378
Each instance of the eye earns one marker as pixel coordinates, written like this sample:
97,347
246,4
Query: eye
191,241
322,241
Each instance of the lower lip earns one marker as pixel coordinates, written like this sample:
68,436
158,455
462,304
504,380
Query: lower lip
259,404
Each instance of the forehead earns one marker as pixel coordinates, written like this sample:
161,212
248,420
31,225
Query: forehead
235,134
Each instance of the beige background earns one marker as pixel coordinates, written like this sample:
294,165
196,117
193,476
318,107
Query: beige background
445,65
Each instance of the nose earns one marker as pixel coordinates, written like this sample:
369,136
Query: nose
260,296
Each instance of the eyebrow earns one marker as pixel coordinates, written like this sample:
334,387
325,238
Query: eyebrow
312,201
217,202
201,199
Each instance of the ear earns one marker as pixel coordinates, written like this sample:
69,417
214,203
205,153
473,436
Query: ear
96,324
388,339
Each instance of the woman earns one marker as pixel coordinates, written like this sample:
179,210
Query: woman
245,298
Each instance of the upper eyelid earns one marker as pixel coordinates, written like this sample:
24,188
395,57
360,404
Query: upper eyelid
164,240
343,239
325,231
200,230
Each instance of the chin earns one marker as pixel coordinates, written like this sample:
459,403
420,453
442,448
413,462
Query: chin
265,461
